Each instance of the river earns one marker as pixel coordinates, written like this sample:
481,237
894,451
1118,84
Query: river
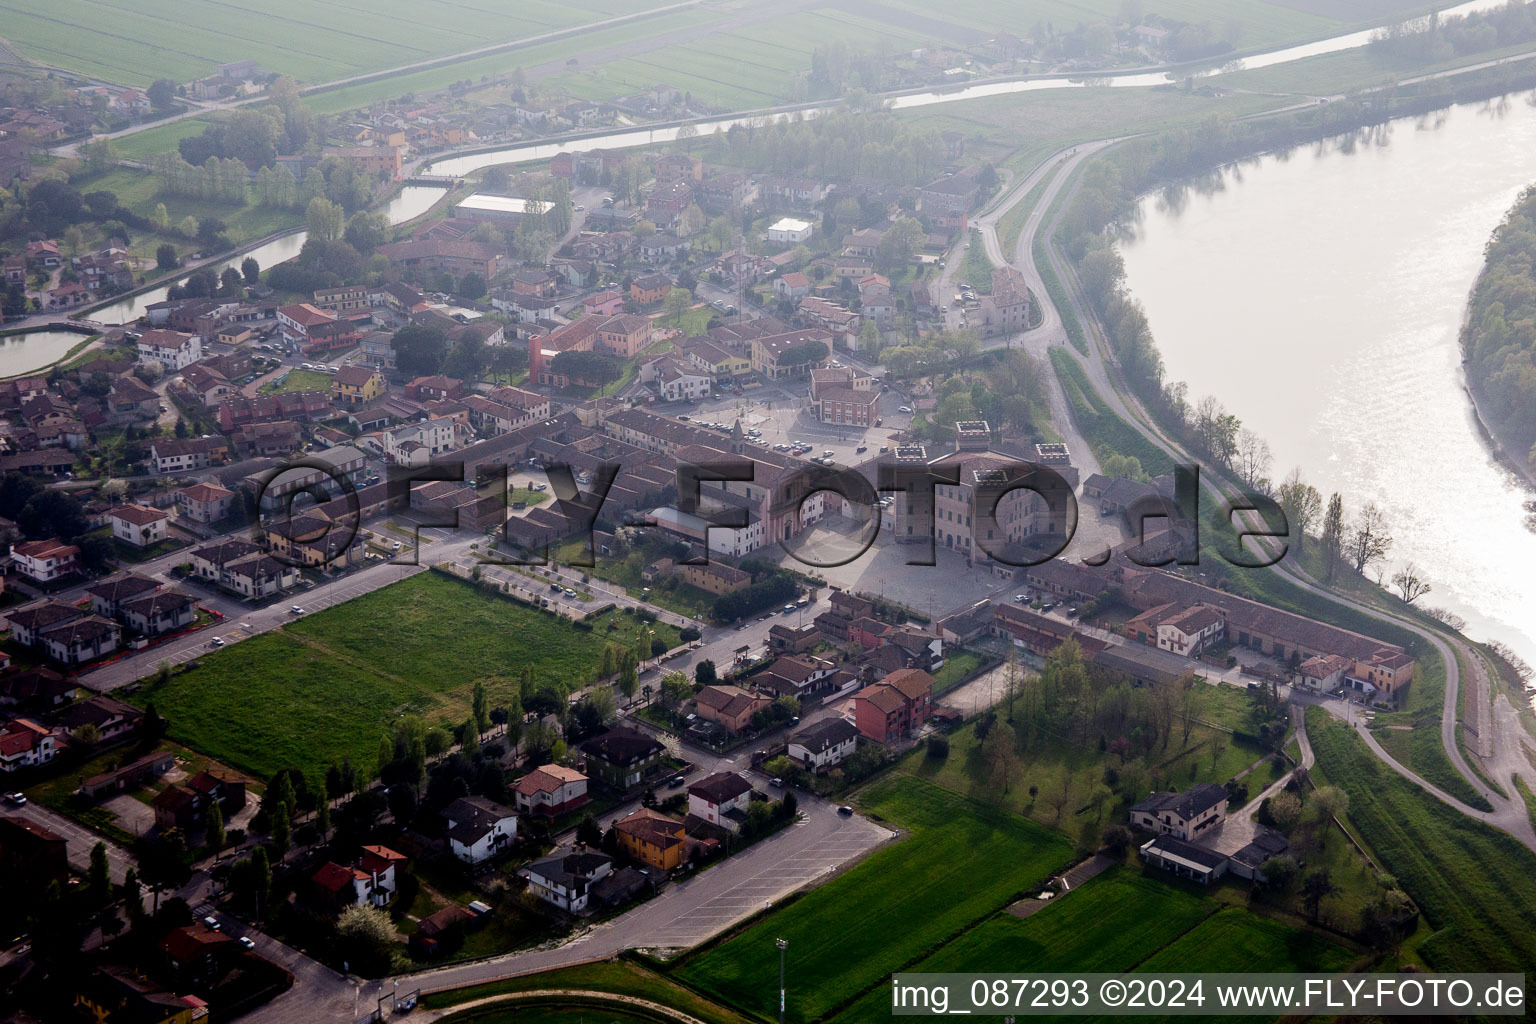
1320,296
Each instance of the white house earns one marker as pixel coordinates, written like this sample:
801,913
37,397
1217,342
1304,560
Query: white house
1185,815
139,525
790,230
44,560
824,744
1191,631
24,743
551,790
160,612
479,828
721,799
1323,673
75,643
172,349
567,881
680,383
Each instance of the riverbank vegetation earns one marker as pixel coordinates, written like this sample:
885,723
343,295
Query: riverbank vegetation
1499,339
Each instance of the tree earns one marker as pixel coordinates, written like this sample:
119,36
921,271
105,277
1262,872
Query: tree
1330,801
189,227
1368,539
367,231
215,835
230,284
480,708
1410,585
1302,505
1285,811
281,835
1316,887
166,258
250,270
629,676
161,93
1333,534
100,876
323,819
1000,754
420,348
587,831
472,286
678,302
704,673
469,746
367,935
324,219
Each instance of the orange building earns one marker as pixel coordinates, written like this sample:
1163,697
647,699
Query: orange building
652,838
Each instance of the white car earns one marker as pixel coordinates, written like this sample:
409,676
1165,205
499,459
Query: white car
905,408
294,609
578,208
211,922
246,941
218,641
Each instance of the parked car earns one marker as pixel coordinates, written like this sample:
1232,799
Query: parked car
247,942
905,408
217,641
789,608
845,811
16,799
211,922
675,782
570,593
294,609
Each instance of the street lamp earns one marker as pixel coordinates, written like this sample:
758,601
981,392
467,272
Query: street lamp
783,944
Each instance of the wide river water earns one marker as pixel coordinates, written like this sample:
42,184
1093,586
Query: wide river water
1320,297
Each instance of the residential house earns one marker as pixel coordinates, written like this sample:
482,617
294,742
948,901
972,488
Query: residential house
824,744
896,707
176,456
85,639
621,757
729,706
205,502
567,881
1191,631
478,828
1322,673
652,838
720,799
28,622
140,525
1185,815
357,385
551,790
45,560
454,257
109,596
160,613
24,744
649,289
172,349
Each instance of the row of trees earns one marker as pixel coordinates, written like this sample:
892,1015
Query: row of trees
1499,339
838,147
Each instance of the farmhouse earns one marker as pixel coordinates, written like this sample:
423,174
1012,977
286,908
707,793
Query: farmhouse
1186,815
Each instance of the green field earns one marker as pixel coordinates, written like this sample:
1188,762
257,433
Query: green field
960,861
140,192
1475,885
1122,921
138,43
327,685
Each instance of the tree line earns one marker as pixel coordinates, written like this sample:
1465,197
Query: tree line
1499,337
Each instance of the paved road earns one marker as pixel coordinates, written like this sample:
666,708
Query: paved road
79,841
685,914
1508,814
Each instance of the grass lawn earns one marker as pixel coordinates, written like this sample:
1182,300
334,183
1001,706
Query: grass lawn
157,139
327,685
957,666
298,380
140,192
977,269
527,496
960,861
1067,773
1475,885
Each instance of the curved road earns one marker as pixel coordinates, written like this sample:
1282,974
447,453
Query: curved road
1508,814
